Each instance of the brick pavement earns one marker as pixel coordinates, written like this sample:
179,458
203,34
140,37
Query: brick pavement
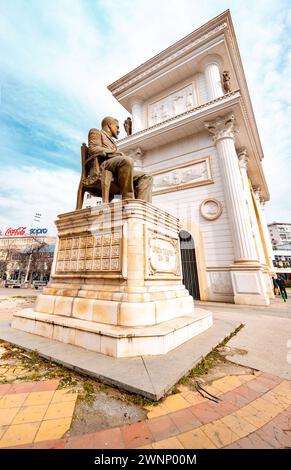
254,411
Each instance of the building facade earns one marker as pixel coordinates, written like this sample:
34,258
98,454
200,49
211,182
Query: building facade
280,233
26,257
194,129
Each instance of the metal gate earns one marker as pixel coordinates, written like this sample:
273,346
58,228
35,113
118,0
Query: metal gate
189,265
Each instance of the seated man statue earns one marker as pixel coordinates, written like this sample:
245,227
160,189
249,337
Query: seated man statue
133,184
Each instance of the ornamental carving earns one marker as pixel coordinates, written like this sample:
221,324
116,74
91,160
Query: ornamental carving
243,158
162,255
89,253
211,209
174,104
182,177
222,127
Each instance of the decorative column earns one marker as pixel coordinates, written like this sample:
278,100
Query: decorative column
243,164
256,226
137,115
213,80
246,271
260,203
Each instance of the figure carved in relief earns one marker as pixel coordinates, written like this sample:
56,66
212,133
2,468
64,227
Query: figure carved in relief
128,126
226,81
189,100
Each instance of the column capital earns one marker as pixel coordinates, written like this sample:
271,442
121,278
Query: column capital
243,157
223,127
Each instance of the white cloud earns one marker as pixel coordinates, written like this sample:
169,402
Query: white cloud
27,190
69,51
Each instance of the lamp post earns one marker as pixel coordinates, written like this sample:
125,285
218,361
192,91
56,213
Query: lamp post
36,218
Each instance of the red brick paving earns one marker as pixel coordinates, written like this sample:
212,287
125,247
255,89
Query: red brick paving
185,420
275,434
162,427
136,435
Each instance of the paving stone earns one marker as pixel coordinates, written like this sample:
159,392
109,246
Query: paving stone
236,399
13,400
53,429
238,425
253,441
175,403
248,393
39,398
136,435
60,410
30,414
155,411
170,443
196,439
275,436
205,413
7,415
219,433
185,420
19,434
52,444
4,388
108,439
162,428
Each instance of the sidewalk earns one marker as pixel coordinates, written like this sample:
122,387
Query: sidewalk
254,412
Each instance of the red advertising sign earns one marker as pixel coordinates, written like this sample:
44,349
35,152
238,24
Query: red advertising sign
15,231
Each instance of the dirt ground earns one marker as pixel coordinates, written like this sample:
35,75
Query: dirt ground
99,406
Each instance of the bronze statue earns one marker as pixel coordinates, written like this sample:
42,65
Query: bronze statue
132,184
226,81
128,126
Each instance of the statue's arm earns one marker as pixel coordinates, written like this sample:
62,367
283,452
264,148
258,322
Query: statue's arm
95,144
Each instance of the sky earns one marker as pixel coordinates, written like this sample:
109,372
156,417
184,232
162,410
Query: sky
58,57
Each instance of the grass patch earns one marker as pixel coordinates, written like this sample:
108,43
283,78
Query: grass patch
213,359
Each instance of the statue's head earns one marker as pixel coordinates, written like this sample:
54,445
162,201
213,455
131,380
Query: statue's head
111,126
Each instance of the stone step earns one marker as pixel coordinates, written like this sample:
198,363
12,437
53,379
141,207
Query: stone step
115,341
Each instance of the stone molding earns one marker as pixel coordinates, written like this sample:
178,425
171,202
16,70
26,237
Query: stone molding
167,60
209,214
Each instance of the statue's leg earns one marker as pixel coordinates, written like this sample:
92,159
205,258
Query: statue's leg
143,184
122,169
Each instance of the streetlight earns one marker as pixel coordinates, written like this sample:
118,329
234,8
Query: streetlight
37,217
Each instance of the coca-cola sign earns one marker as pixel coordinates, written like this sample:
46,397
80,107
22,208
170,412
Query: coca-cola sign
14,232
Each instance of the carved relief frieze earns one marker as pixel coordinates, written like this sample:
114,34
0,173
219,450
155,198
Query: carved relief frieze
183,176
172,105
84,253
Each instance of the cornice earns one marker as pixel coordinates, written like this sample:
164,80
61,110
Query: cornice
171,54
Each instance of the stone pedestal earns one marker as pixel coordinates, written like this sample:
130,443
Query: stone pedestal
116,284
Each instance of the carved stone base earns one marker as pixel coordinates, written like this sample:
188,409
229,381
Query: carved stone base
116,275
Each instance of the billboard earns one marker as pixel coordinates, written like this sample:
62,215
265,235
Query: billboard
23,231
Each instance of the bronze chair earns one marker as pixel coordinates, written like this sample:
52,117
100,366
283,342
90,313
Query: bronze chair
93,180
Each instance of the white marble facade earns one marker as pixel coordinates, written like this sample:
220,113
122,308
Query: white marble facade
202,146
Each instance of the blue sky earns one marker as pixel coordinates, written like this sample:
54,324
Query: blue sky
58,57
